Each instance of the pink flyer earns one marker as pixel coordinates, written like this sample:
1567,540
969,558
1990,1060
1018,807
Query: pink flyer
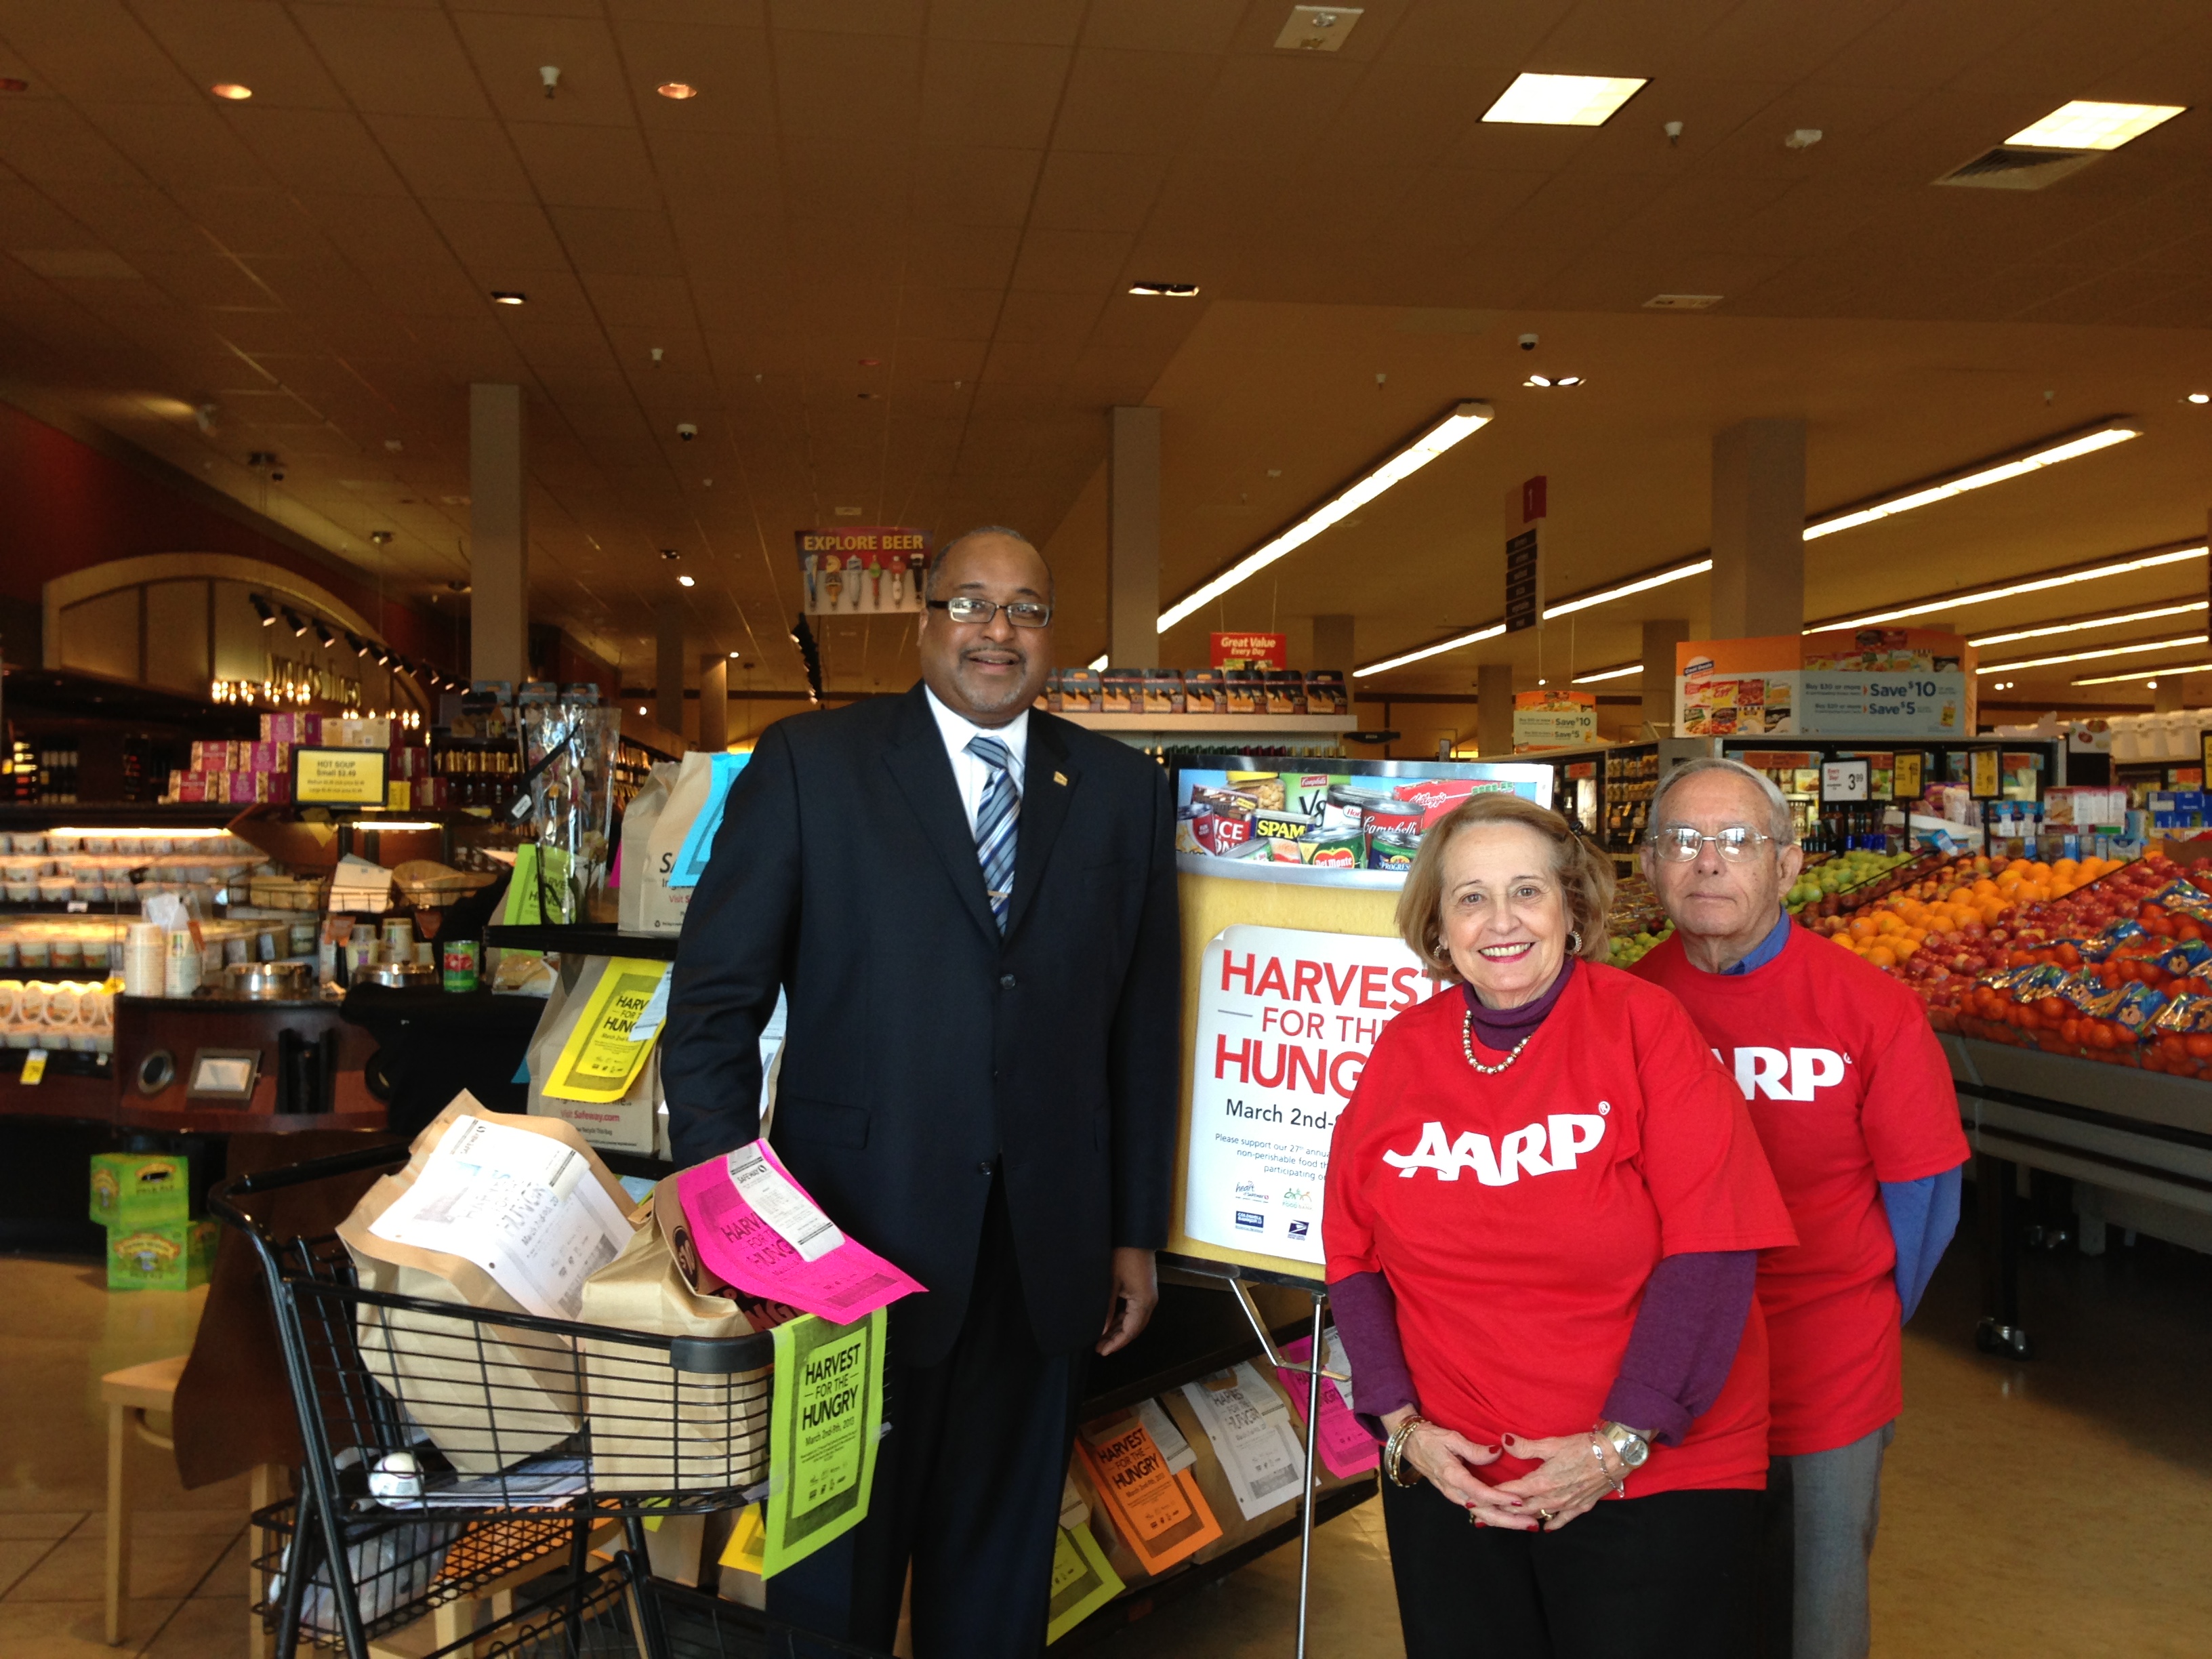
756,1227
1346,1448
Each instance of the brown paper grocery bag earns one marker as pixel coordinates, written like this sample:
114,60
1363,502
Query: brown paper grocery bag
631,1124
655,1428
486,1395
639,817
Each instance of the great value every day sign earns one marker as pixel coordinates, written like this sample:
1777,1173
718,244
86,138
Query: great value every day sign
1286,1018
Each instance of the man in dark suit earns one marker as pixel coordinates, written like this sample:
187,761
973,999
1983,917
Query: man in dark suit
971,906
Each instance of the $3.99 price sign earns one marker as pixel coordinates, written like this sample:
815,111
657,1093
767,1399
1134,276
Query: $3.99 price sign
1286,1019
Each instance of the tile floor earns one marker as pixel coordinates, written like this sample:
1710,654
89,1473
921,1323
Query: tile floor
2061,1508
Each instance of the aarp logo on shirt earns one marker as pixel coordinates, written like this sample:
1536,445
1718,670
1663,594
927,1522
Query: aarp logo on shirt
1785,1076
1546,1148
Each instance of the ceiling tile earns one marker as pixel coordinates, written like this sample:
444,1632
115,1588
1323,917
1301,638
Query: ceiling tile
1059,319
824,181
902,17
1139,101
494,239
830,85
1087,190
509,49
1180,25
50,143
959,256
586,166
936,314
1273,105
618,241
732,67
314,149
1500,35
185,146
1033,22
972,187
254,42
396,60
1082,262
651,311
94,49
463,160
987,93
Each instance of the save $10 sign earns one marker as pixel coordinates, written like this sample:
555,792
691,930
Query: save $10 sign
1286,1019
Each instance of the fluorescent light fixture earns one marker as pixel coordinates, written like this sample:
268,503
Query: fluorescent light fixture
1479,636
2154,675
1098,663
1165,290
2084,125
1980,478
1563,100
2112,620
1608,674
1463,421
2032,585
1638,585
2197,638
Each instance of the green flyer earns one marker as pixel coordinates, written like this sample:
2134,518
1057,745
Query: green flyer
1082,1581
825,1411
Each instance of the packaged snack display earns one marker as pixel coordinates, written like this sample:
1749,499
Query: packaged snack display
1337,818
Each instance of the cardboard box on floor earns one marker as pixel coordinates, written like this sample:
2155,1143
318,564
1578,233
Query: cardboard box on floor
139,1189
169,1255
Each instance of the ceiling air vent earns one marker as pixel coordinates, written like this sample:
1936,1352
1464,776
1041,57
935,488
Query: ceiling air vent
2011,167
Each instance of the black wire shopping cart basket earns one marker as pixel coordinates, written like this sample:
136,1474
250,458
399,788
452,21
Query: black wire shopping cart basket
450,1448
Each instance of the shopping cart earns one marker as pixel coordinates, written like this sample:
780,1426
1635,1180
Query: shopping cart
450,1449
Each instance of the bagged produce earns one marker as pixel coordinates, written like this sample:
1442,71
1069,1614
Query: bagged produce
509,1214
653,1426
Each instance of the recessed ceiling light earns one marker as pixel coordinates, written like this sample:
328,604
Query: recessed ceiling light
1537,380
685,582
2084,125
1562,100
670,553
677,89
734,656
2200,397
508,297
232,91
1165,290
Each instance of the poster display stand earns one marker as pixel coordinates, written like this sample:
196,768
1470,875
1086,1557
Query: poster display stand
1290,970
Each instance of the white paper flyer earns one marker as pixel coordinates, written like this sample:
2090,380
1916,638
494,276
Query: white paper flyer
1251,1428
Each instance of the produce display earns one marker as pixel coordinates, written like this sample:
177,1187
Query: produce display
1824,878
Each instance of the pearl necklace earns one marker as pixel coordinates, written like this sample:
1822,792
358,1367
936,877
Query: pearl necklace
1466,1046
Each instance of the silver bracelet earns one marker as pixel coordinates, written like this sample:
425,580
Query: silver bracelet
1597,1449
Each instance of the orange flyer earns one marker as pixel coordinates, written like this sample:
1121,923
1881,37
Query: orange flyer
1158,1513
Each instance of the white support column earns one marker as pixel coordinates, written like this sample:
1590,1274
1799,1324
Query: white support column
715,701
1493,716
1759,529
1660,639
499,536
1132,539
668,665
1332,644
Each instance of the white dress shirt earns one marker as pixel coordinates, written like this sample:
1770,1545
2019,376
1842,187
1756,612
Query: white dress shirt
972,775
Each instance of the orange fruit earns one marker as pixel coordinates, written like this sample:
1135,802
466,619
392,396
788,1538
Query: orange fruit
1882,956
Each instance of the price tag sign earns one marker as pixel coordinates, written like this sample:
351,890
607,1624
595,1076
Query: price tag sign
34,1068
339,777
1984,775
1904,777
1844,779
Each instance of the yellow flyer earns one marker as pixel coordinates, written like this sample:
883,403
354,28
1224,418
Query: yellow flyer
610,1040
823,1415
748,1544
1082,1581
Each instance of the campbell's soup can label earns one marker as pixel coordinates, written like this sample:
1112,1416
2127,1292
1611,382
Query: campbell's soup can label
460,958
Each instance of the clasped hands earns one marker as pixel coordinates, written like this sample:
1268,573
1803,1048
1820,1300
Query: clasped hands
1565,1482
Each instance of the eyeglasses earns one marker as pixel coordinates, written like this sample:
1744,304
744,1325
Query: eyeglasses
1679,843
1023,613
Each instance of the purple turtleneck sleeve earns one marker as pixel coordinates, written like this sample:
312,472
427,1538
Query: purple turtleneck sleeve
1679,1350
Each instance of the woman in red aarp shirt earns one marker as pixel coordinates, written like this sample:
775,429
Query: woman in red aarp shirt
1543,1210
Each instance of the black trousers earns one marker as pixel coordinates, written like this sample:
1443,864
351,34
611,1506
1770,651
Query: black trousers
968,1489
1668,1577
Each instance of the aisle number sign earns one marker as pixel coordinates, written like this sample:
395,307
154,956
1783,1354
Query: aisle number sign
1286,1018
338,777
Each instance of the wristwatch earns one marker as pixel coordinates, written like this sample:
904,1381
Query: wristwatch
1630,1446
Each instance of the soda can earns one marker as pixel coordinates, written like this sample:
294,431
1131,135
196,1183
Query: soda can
462,958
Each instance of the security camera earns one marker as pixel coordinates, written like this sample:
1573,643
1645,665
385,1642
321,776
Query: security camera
686,431
1527,342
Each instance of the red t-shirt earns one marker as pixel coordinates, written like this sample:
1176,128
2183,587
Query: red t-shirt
1517,1217
1849,1088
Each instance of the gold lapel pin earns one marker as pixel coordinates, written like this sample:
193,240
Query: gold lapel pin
1061,778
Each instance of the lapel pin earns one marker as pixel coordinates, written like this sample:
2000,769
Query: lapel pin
1061,778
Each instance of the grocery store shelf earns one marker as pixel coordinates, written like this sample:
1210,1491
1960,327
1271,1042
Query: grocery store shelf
584,939
1265,727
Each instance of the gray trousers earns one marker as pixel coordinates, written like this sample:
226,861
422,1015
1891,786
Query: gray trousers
1822,1510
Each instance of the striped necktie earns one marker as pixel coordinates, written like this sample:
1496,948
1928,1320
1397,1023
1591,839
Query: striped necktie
994,823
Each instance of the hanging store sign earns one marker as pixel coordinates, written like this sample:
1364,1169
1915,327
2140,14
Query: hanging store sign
1553,719
864,571
1869,682
1251,651
1286,1018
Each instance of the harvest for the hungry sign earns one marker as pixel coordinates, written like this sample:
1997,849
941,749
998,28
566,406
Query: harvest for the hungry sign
1286,1018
